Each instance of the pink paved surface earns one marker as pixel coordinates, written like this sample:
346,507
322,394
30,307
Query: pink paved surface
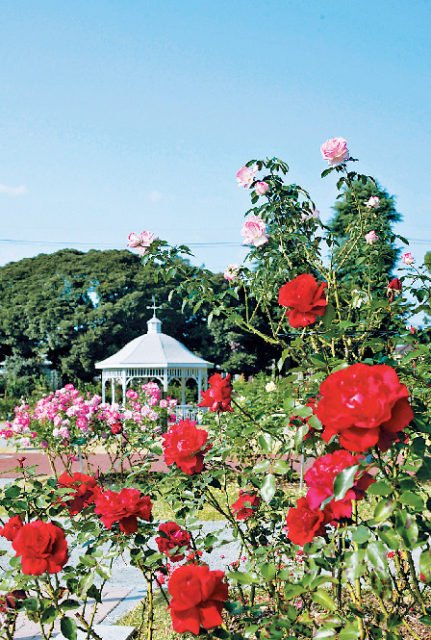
97,461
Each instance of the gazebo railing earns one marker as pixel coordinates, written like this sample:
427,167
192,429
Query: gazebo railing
190,411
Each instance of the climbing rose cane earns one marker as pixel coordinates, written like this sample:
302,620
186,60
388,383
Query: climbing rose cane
219,395
197,600
42,547
365,405
184,445
305,297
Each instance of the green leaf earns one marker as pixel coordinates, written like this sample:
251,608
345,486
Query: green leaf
326,172
12,492
350,632
281,467
242,577
49,614
412,499
360,534
390,538
377,556
383,510
69,604
380,488
261,466
267,489
68,628
31,604
344,481
323,598
268,570
266,442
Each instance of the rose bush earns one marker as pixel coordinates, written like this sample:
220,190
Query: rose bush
345,557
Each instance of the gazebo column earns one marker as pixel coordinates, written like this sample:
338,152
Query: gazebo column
199,385
103,387
124,385
112,390
183,391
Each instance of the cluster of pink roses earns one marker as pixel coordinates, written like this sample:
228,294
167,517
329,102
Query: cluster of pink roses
145,405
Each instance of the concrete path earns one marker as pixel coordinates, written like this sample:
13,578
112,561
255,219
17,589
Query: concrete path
127,587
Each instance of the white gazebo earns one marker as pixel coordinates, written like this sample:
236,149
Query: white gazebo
158,356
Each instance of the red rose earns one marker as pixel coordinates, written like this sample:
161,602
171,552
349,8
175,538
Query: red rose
395,285
184,444
116,428
11,528
320,480
304,523
307,299
365,405
246,505
124,507
173,538
197,598
219,395
85,491
42,547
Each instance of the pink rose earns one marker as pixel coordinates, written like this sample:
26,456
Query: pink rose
408,259
335,151
141,241
246,175
261,188
231,272
253,231
371,237
373,202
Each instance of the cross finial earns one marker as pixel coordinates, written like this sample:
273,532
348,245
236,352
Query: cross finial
154,307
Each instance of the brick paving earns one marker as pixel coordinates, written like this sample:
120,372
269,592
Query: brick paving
9,460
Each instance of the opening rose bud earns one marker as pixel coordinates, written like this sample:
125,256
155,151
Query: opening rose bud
261,188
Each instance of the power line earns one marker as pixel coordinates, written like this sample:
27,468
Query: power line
59,243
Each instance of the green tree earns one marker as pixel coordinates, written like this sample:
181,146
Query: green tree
77,308
366,261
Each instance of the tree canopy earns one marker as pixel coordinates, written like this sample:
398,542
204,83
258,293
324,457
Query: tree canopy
76,308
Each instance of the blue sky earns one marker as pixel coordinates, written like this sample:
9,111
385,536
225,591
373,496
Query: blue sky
123,115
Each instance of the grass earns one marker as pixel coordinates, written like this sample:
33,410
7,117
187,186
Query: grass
162,621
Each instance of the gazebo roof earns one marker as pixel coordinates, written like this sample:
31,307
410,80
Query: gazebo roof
153,349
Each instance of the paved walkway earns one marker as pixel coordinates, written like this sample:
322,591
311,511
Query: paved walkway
9,460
